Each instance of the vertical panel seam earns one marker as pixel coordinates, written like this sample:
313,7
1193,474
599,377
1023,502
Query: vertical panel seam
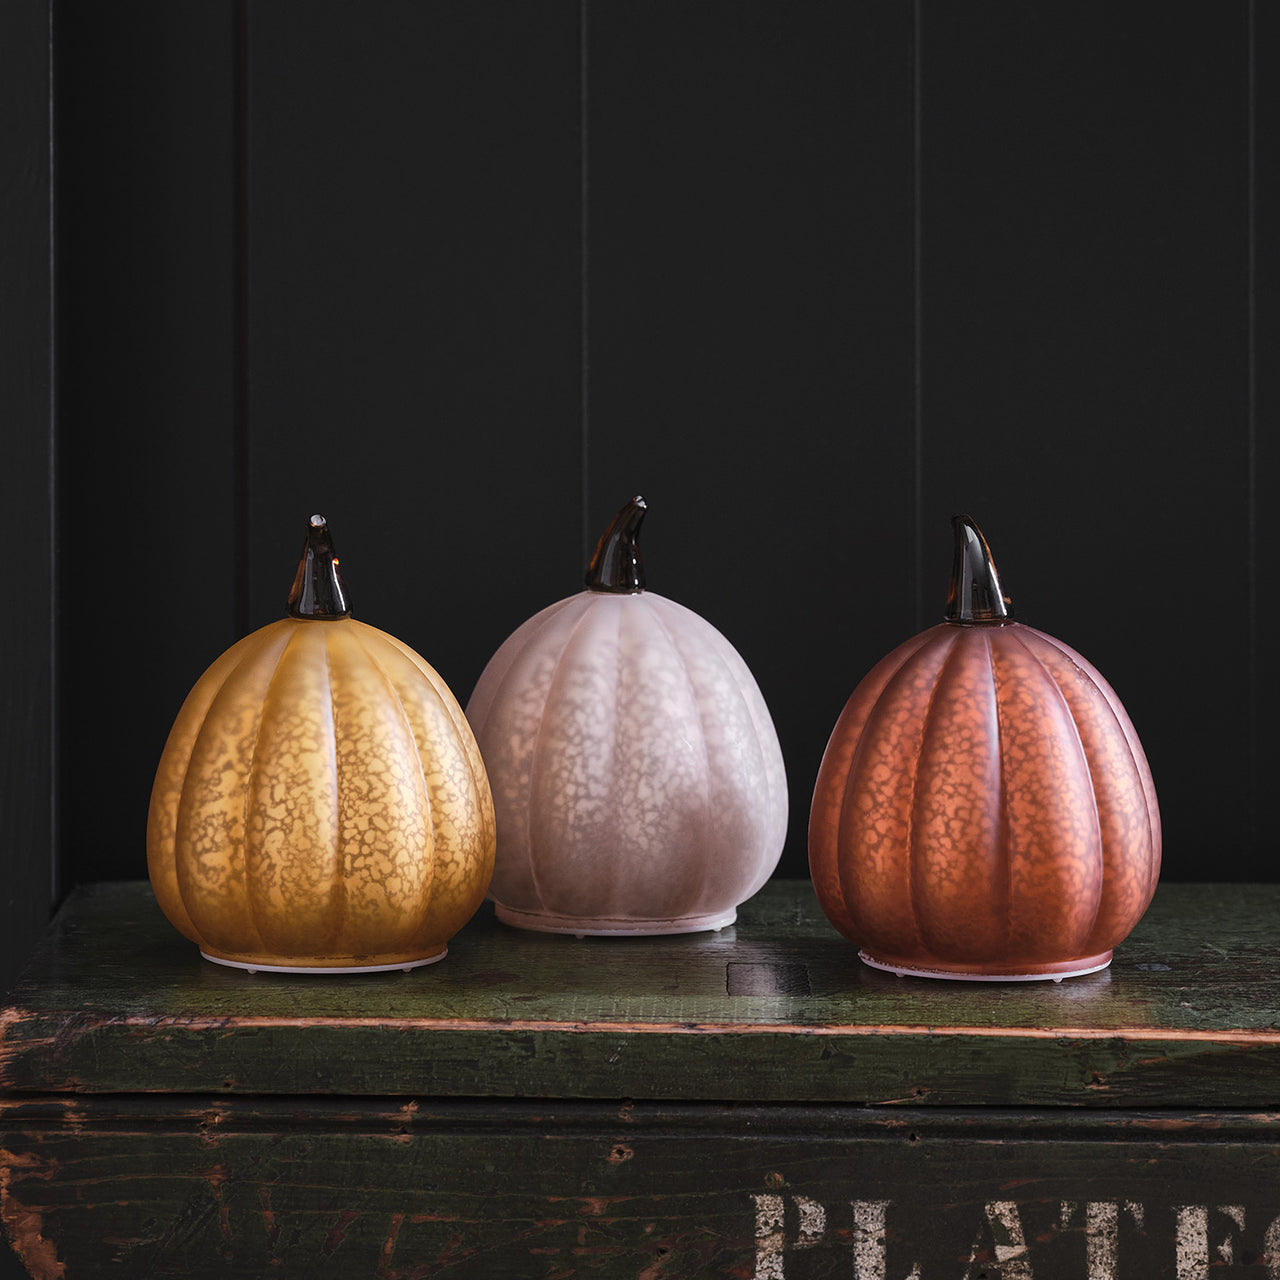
584,301
1251,400
55,702
917,303
240,313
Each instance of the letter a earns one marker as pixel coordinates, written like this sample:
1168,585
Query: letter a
1009,1243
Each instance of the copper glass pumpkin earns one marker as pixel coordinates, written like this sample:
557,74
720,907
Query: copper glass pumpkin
984,808
637,777
320,805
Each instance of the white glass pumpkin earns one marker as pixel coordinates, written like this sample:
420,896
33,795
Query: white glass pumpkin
637,779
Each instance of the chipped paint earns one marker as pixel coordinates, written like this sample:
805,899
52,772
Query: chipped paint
338,1232
1102,1239
813,1222
1204,1240
1271,1248
215,1175
25,1223
268,1218
1192,1242
1243,1037
869,1239
655,1269
780,1235
389,1244
1008,1247
1194,1252
770,1237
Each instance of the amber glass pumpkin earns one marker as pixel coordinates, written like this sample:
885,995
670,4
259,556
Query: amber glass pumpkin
984,808
636,773
321,804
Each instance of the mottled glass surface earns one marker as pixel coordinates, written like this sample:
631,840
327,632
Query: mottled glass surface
984,808
320,803
637,778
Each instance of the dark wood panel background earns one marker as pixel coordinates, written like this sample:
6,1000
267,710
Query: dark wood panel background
464,275
1086,368
27,513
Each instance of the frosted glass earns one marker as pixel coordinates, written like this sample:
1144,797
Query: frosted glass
637,779
320,805
984,809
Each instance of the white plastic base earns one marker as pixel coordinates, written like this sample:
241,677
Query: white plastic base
979,977
606,928
404,965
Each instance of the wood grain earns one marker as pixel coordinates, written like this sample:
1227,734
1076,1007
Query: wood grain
1186,1016
179,1187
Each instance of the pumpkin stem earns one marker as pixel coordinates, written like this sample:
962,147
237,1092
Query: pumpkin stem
318,590
976,594
616,565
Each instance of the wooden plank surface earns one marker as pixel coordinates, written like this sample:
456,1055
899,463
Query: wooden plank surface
1188,1015
186,1187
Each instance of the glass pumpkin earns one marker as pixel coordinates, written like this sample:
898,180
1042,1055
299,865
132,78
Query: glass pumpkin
321,805
637,777
984,808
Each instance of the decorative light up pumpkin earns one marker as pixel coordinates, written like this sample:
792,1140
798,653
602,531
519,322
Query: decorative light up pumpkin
320,805
984,808
636,774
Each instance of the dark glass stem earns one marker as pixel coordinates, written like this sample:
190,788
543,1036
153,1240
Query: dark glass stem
976,594
318,590
616,565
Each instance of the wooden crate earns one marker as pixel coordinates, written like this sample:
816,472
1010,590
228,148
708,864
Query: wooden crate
753,1103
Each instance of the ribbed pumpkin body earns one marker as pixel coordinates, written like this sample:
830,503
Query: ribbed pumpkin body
637,778
984,809
320,803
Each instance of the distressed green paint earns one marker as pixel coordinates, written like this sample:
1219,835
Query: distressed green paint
330,1188
1188,1015
543,1107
